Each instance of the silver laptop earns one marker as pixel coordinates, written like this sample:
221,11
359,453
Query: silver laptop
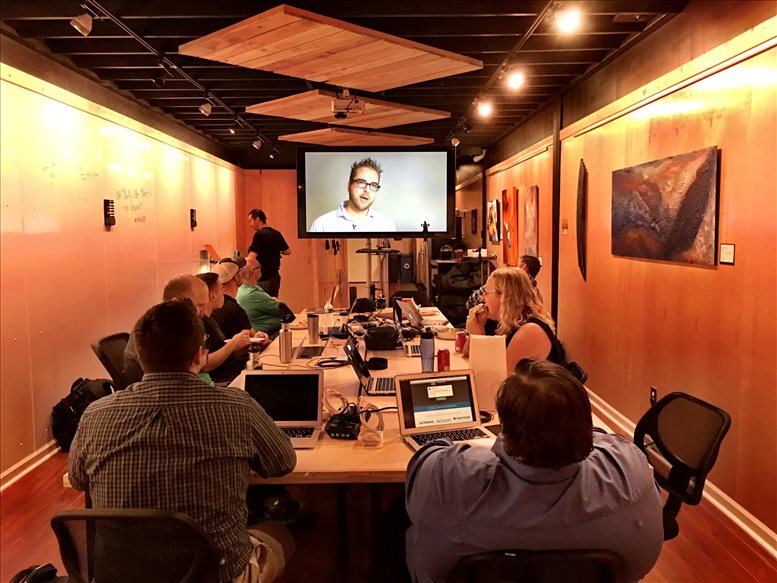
293,399
372,385
437,405
412,313
410,349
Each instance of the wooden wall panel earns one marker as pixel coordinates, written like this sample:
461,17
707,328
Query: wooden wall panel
536,170
66,281
470,197
711,332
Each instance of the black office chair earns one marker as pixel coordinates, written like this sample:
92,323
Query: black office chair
521,566
681,436
110,351
128,546
577,371
363,306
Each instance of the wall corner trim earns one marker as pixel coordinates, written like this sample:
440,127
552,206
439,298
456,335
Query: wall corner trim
752,527
26,465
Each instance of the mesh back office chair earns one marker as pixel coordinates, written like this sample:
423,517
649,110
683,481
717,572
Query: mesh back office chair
110,351
129,546
681,436
520,566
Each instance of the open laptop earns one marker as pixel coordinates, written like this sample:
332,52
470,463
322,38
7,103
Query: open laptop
412,313
293,399
410,349
436,405
379,386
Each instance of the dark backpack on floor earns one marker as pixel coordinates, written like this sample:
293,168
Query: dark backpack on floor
67,413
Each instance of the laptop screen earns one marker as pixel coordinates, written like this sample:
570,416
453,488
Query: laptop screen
286,396
351,349
437,401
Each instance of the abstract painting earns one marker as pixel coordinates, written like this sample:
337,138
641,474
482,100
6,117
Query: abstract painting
510,220
582,217
667,209
531,232
494,227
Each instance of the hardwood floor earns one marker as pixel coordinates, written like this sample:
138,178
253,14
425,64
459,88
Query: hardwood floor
710,549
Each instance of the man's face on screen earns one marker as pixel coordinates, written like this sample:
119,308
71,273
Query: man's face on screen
361,198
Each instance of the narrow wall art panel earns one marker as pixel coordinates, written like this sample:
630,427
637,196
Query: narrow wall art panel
667,209
510,220
494,226
532,228
582,218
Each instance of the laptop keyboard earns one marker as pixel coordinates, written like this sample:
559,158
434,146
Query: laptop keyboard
382,386
455,435
298,431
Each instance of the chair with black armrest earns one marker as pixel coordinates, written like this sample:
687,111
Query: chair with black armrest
110,351
523,566
129,546
680,436
577,371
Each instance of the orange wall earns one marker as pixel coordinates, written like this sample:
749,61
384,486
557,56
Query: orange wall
535,171
310,273
64,280
709,331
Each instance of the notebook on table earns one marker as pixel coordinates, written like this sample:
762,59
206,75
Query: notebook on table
372,385
439,405
293,399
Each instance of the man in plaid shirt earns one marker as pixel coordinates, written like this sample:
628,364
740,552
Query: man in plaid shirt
174,442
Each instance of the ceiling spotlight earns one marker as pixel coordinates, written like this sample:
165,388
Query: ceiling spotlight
455,142
515,80
82,23
568,20
233,129
257,143
274,153
465,128
485,108
206,108
160,81
478,157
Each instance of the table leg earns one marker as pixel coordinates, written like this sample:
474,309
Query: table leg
341,518
376,516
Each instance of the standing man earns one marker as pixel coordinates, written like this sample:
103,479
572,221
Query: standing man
551,481
267,247
356,213
173,442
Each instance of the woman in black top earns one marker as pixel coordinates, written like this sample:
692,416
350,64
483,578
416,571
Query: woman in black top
513,309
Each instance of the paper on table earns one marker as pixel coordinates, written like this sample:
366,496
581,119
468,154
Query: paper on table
488,360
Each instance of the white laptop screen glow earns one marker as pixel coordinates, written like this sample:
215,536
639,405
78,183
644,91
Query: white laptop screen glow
286,397
437,401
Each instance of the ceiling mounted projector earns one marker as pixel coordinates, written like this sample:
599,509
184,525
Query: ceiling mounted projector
348,105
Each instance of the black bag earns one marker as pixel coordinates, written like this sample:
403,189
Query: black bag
67,413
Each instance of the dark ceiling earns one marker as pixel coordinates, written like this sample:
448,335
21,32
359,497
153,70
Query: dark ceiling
497,32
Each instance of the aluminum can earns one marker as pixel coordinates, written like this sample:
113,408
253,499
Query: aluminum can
443,360
461,339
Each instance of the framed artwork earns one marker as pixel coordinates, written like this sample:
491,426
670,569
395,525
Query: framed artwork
667,209
531,233
510,222
582,217
493,224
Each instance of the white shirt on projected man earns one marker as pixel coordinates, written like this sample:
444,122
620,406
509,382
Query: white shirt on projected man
338,221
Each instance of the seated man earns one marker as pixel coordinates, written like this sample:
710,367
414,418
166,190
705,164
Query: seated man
231,317
215,338
186,287
549,482
262,310
174,442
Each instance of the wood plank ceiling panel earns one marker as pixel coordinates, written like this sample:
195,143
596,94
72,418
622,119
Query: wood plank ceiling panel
351,137
298,43
316,106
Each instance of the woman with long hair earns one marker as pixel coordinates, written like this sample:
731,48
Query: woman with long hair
513,309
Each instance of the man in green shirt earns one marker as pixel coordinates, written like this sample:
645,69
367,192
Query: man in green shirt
262,309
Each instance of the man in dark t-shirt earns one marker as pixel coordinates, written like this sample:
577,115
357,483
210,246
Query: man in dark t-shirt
267,247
